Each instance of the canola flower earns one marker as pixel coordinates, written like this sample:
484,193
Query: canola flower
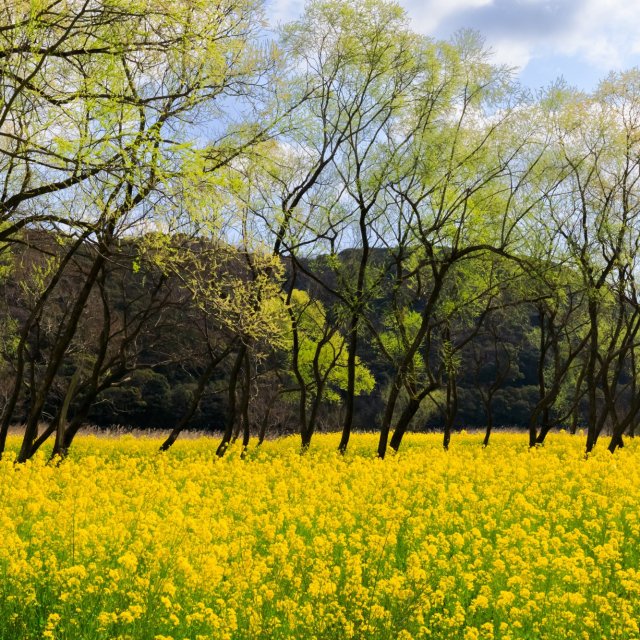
119,542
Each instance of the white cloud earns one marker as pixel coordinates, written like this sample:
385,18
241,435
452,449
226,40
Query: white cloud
280,11
428,15
606,32
512,53
601,34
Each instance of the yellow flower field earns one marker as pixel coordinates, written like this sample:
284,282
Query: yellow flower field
122,542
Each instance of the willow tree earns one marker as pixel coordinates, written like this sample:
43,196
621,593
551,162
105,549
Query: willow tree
416,145
594,210
358,61
459,193
101,103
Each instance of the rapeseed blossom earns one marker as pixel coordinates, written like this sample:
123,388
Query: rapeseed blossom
120,542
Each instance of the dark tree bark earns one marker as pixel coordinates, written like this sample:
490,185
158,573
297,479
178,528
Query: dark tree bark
57,355
203,380
232,415
354,322
246,396
9,408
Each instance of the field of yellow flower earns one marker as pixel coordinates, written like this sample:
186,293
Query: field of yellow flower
122,542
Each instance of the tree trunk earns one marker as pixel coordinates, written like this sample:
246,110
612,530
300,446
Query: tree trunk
62,417
590,375
7,414
351,384
193,407
407,415
452,411
264,424
246,395
404,368
634,389
313,416
357,310
203,380
489,415
231,417
544,430
295,361
402,425
57,355
542,387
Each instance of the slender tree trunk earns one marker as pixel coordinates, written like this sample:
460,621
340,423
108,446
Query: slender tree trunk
404,368
634,389
313,417
59,447
452,410
203,380
231,417
9,408
265,421
575,412
385,428
489,415
402,425
246,395
193,407
357,310
545,427
574,421
88,396
62,417
263,428
72,430
320,380
542,388
351,384
616,438
590,375
544,430
57,355
406,416
295,358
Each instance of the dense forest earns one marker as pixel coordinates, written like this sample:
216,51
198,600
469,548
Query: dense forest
341,225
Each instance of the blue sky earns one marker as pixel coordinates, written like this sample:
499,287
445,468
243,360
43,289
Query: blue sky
581,40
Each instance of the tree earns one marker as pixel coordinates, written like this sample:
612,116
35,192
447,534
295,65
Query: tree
495,359
594,210
100,104
321,361
360,59
461,190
